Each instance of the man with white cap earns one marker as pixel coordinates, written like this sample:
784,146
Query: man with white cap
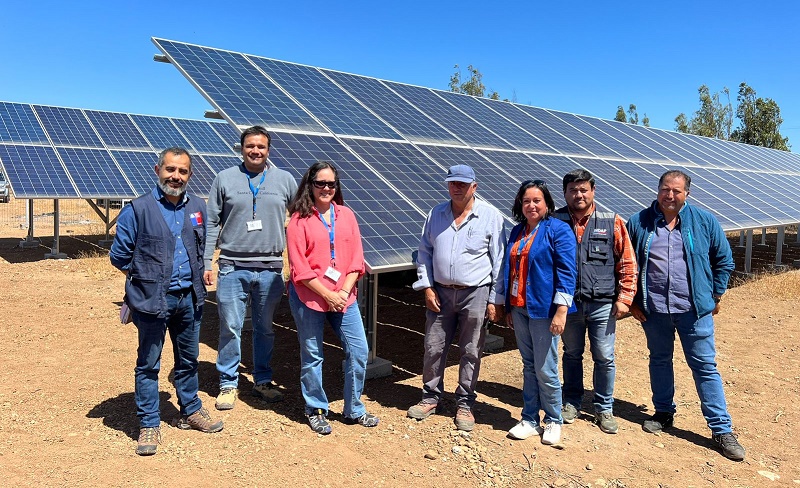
459,261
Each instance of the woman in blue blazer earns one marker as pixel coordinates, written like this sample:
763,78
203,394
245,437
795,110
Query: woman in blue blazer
539,278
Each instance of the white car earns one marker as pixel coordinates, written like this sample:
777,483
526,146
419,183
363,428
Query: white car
5,195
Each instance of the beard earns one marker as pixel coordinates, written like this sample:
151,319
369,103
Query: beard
168,190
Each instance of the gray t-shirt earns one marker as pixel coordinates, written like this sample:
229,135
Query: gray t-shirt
230,208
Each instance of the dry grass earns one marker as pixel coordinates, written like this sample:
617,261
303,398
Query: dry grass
781,285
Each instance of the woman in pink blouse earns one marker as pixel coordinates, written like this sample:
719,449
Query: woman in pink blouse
326,261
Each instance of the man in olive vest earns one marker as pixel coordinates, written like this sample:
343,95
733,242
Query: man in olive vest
159,246
603,293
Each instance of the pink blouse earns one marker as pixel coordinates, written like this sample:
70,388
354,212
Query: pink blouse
308,243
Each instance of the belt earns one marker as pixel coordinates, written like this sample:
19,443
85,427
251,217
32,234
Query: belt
453,287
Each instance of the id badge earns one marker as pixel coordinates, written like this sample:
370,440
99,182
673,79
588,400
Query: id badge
254,225
332,274
515,289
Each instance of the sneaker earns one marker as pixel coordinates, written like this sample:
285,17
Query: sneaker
729,445
552,434
606,422
525,429
464,419
149,439
268,392
658,422
318,422
226,398
569,413
422,410
366,420
200,420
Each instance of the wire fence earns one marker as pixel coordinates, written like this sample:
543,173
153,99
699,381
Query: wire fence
75,216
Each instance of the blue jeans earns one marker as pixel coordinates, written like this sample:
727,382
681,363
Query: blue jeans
597,319
183,322
541,388
350,329
697,340
265,288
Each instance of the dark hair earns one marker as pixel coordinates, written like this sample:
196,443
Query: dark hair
256,130
176,151
578,176
675,173
303,201
516,210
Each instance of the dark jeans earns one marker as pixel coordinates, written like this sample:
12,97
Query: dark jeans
183,322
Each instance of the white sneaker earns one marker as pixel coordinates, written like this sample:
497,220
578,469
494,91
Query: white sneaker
525,429
552,434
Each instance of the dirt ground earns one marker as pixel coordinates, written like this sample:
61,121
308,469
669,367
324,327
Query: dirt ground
67,415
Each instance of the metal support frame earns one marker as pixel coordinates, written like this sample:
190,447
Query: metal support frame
105,216
741,238
368,295
763,243
54,251
779,246
748,253
29,241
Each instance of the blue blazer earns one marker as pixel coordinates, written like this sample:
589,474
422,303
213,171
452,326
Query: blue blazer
551,267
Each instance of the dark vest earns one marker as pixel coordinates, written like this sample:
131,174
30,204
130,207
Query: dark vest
596,278
151,266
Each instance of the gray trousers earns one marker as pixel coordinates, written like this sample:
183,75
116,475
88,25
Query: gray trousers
462,311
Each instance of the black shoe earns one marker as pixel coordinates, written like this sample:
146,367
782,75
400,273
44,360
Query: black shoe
729,446
318,422
367,420
658,422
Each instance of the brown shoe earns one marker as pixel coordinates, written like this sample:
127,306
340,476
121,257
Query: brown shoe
149,439
200,420
422,410
464,419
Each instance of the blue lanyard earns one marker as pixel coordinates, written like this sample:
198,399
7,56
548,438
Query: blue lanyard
255,189
522,242
331,230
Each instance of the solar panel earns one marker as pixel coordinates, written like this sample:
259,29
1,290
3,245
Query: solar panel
202,137
505,142
218,163
117,130
404,117
390,225
35,172
160,131
404,166
67,126
101,154
228,80
95,173
455,121
139,167
202,177
335,108
18,123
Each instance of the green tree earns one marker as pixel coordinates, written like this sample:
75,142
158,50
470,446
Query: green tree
633,115
681,125
760,121
712,119
620,116
646,120
473,86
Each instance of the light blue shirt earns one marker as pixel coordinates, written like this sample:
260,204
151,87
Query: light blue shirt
468,255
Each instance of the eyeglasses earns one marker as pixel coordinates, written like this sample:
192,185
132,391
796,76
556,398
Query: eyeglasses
323,184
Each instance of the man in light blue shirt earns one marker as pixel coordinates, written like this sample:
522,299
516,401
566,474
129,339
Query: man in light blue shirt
458,265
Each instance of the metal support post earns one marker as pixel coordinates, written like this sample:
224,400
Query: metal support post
376,367
54,251
29,241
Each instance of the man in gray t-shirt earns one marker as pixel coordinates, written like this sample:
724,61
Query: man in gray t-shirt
246,213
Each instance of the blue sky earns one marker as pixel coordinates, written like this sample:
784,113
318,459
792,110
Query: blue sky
578,56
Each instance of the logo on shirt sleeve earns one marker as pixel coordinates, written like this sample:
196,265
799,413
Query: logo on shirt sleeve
197,218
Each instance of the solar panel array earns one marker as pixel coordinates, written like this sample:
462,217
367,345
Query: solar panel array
394,142
58,152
